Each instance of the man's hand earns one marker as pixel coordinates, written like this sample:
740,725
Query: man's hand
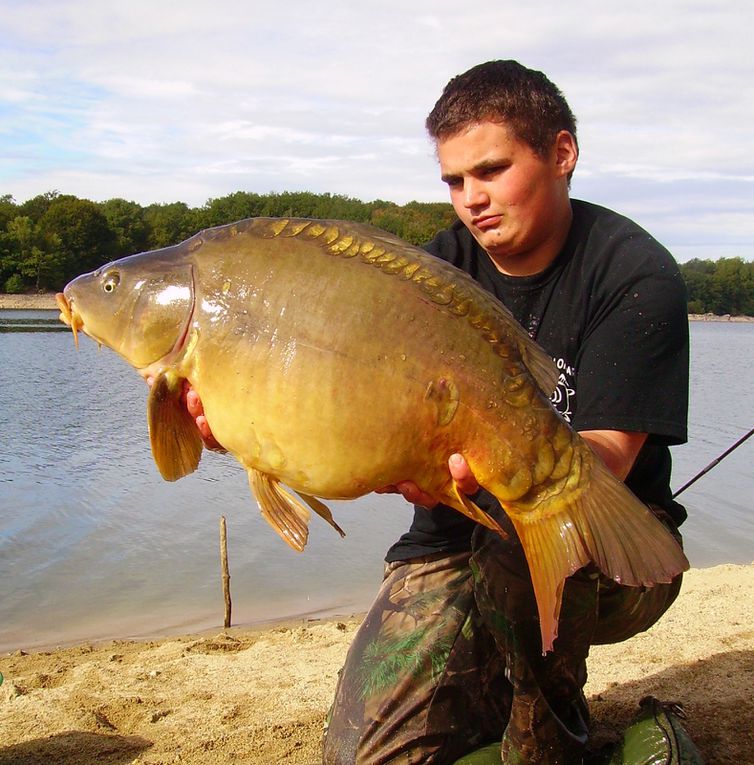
459,470
196,410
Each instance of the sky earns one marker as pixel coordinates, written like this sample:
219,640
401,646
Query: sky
165,101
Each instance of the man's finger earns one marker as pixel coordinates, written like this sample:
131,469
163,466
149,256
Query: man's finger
462,474
412,493
194,404
206,433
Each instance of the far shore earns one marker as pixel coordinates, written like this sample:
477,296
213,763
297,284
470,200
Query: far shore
46,300
36,302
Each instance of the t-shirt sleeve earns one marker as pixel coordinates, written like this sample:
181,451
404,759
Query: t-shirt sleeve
632,370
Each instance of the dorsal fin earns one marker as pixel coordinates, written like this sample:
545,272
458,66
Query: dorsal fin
442,282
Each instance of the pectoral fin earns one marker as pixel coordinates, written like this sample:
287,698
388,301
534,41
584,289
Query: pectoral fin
173,435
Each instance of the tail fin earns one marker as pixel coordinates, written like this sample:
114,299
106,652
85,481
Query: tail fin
599,520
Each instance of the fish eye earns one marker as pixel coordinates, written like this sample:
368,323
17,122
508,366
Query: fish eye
111,282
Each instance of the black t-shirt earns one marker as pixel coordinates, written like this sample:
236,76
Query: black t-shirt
611,311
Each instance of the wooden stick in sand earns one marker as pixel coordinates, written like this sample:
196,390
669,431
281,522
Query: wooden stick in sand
225,571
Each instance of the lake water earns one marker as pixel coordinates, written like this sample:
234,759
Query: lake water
94,544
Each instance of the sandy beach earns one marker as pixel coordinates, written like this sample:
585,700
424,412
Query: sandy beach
27,302
259,697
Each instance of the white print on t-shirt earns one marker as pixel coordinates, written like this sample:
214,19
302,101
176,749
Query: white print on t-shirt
564,393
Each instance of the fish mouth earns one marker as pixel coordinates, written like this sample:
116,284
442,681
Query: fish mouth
68,316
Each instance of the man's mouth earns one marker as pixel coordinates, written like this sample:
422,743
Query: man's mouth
484,222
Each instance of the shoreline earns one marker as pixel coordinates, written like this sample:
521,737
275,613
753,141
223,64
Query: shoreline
259,695
46,301
41,302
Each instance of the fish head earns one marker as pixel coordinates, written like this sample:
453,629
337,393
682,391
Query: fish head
140,306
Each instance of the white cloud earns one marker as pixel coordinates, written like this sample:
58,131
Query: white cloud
165,101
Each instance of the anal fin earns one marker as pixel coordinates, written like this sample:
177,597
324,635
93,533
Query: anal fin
455,498
173,435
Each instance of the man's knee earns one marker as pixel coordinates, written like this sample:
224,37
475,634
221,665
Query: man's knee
627,611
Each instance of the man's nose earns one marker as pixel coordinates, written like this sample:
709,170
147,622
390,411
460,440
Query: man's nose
474,193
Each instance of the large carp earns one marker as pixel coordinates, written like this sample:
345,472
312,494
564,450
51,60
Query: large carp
336,359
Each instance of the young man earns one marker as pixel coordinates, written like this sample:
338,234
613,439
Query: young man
449,656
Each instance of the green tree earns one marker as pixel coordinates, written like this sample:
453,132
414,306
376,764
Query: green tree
169,224
81,235
228,209
697,276
724,286
29,259
52,237
126,221
416,222
8,210
387,216
37,206
734,284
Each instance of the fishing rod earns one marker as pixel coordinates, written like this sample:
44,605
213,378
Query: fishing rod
714,462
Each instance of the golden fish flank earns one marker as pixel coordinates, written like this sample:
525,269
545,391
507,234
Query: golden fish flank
336,359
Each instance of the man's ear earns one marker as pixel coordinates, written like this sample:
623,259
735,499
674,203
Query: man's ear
566,153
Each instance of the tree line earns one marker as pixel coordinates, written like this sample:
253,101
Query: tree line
724,286
48,240
51,238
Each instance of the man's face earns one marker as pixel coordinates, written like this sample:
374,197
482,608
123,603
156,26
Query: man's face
513,201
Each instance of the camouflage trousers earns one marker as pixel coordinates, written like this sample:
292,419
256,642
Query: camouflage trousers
449,658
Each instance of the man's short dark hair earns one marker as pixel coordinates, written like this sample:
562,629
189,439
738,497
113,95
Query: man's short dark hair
508,93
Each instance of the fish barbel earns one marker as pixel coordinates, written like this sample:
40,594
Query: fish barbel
334,359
